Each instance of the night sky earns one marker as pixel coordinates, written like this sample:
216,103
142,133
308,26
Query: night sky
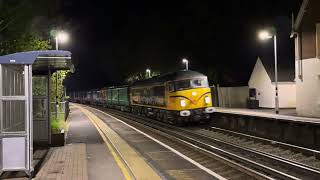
112,39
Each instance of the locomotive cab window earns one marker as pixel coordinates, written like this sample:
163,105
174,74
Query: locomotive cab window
199,83
191,83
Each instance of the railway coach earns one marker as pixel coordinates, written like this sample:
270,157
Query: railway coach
177,97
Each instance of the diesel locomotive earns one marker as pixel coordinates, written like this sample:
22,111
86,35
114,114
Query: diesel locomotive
176,97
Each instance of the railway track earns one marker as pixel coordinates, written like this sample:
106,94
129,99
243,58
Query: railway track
241,159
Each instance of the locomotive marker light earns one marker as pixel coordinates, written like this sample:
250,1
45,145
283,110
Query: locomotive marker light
148,71
183,103
207,100
185,61
265,35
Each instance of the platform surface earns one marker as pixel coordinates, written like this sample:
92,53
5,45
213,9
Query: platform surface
284,114
67,162
100,162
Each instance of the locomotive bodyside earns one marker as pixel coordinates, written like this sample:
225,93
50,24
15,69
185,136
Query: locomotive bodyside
182,96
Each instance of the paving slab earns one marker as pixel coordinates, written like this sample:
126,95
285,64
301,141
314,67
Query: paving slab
67,162
101,164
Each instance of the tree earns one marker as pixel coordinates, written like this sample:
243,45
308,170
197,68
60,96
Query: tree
137,76
24,25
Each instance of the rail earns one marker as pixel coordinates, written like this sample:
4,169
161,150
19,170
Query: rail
276,166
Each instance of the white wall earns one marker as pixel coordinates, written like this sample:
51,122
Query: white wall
266,89
260,80
287,95
308,89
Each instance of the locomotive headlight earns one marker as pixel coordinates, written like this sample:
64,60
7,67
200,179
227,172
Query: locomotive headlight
183,103
207,100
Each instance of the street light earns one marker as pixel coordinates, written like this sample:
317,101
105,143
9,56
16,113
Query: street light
148,71
62,37
185,61
265,35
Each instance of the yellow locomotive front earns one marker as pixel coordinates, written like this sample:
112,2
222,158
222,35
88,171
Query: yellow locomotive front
190,97
178,97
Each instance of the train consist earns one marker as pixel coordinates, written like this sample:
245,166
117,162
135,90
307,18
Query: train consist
177,97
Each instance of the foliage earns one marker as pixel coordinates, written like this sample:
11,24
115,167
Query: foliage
25,42
24,25
59,89
140,76
57,124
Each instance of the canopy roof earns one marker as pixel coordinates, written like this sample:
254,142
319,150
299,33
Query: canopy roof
41,61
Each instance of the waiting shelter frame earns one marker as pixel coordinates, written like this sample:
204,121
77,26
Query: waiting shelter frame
16,104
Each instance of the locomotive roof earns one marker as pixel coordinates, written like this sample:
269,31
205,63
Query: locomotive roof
171,76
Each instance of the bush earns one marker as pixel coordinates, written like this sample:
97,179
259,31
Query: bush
57,124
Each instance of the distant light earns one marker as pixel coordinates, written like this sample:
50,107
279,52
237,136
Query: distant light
63,37
184,60
148,70
264,35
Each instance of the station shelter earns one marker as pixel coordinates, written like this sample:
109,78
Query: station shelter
24,109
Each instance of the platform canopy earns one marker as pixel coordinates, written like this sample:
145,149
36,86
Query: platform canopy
41,61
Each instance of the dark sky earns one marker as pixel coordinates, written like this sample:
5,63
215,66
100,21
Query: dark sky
112,39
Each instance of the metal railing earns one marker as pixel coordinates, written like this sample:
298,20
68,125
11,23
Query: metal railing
60,109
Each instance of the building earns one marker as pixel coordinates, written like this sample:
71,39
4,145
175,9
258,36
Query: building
262,79
306,32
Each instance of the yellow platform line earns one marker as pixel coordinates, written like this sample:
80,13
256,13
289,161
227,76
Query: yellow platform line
137,165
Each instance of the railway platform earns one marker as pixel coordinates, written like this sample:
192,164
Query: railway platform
100,146
284,114
285,127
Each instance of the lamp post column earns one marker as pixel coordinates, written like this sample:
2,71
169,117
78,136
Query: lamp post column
57,43
276,75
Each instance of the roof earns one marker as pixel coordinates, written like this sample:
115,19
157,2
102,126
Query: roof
172,76
286,71
41,60
300,15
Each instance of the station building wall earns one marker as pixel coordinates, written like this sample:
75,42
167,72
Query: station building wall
265,89
308,87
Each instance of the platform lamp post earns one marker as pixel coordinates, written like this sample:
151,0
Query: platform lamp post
148,71
60,37
265,35
185,61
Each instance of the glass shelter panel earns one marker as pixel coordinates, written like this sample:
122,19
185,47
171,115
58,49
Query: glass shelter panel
39,85
12,80
13,116
40,100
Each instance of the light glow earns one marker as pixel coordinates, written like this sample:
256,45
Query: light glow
264,35
183,103
207,100
185,60
62,37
